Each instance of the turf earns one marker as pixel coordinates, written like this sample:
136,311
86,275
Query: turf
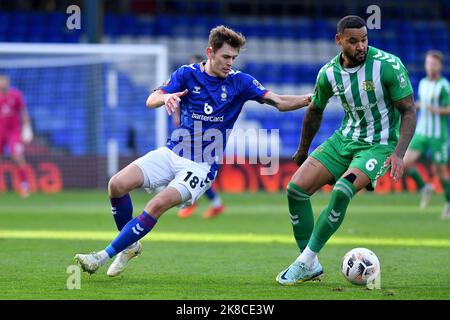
234,256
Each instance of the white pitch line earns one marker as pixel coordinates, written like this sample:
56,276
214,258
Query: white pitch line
220,238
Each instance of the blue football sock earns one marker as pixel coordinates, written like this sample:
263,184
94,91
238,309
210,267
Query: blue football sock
122,210
210,194
131,232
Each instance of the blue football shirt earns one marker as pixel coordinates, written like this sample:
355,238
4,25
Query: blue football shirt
209,110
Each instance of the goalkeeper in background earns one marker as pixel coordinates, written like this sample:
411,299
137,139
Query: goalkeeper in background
15,129
431,132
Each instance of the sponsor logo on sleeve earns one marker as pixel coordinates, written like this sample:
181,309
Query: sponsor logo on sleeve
258,85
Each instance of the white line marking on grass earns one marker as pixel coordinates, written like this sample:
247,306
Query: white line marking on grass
242,209
220,238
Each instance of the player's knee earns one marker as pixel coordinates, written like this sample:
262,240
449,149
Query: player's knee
304,184
157,206
295,192
117,187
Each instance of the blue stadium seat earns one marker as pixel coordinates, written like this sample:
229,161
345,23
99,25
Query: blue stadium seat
4,17
304,30
182,25
163,25
320,29
145,28
56,20
254,69
59,137
214,22
206,7
288,74
71,37
37,19
19,17
16,37
111,25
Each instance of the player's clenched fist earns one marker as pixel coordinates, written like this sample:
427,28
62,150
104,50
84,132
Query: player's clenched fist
172,101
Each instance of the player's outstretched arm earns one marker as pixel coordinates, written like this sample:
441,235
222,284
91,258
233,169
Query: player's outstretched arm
407,128
286,102
170,100
311,124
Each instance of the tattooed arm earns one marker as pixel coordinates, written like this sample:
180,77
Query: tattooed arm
407,128
286,102
311,124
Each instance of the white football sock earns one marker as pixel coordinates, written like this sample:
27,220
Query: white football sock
216,202
308,257
426,186
103,256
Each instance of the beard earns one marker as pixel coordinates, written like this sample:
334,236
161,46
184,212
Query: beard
355,60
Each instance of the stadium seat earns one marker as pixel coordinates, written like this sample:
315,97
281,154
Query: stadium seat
111,25
163,26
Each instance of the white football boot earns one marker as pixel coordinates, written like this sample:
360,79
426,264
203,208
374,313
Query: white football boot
89,262
122,259
298,272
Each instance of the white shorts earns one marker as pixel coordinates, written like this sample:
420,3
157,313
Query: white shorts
162,167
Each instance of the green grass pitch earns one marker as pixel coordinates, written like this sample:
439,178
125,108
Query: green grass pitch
235,256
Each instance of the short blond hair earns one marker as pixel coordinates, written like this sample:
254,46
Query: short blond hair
221,34
436,54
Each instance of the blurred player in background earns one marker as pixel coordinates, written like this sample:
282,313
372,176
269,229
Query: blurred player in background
374,89
216,207
211,96
15,129
432,130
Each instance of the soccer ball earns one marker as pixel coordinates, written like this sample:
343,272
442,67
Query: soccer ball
360,266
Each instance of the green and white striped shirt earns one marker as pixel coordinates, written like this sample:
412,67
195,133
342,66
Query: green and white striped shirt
366,93
435,94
